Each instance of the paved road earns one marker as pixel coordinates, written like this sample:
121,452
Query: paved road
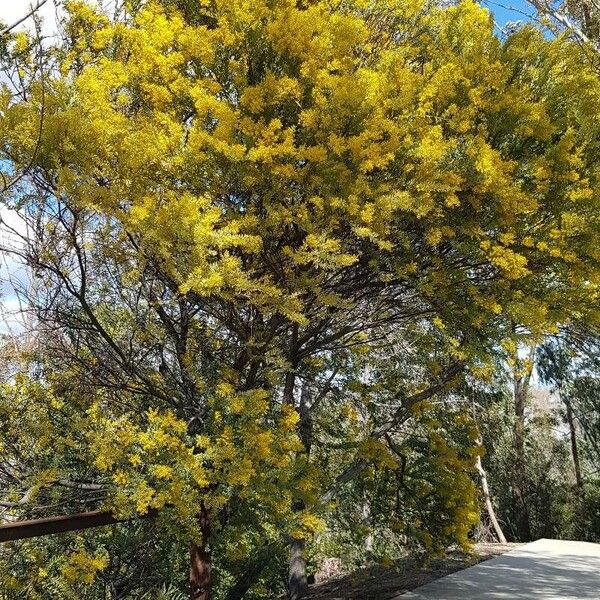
545,570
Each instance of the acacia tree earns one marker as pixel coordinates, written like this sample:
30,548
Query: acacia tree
222,197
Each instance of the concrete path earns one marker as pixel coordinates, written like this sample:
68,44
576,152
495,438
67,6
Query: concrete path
546,570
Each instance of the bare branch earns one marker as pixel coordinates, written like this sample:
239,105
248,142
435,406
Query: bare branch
545,8
24,18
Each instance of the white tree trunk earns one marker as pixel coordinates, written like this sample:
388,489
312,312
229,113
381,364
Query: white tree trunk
488,502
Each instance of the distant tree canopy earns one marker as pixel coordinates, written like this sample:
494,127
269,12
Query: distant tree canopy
579,19
254,223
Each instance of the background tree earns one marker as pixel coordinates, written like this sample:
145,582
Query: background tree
579,18
554,364
560,503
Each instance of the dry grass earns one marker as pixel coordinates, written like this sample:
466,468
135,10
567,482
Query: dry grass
383,583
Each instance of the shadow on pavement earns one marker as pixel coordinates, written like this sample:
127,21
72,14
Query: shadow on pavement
520,577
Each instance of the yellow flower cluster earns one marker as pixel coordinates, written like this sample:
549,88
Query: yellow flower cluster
245,453
378,453
82,566
441,478
343,139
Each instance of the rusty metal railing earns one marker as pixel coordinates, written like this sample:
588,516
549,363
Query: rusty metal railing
20,530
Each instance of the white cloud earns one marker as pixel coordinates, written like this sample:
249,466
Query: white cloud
11,272
12,10
12,320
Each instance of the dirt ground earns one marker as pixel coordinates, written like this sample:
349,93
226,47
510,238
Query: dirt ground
382,583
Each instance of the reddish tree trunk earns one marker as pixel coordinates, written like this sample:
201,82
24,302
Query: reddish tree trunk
201,562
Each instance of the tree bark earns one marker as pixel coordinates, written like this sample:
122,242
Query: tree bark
297,580
366,520
521,380
201,562
574,450
485,487
290,376
297,577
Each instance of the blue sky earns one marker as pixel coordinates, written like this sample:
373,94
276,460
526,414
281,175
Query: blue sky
509,10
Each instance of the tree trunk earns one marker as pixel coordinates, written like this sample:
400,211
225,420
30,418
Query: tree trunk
488,502
297,577
574,451
297,580
523,526
290,376
485,488
201,562
522,378
366,520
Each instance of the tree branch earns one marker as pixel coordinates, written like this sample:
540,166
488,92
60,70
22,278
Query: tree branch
31,12
401,414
